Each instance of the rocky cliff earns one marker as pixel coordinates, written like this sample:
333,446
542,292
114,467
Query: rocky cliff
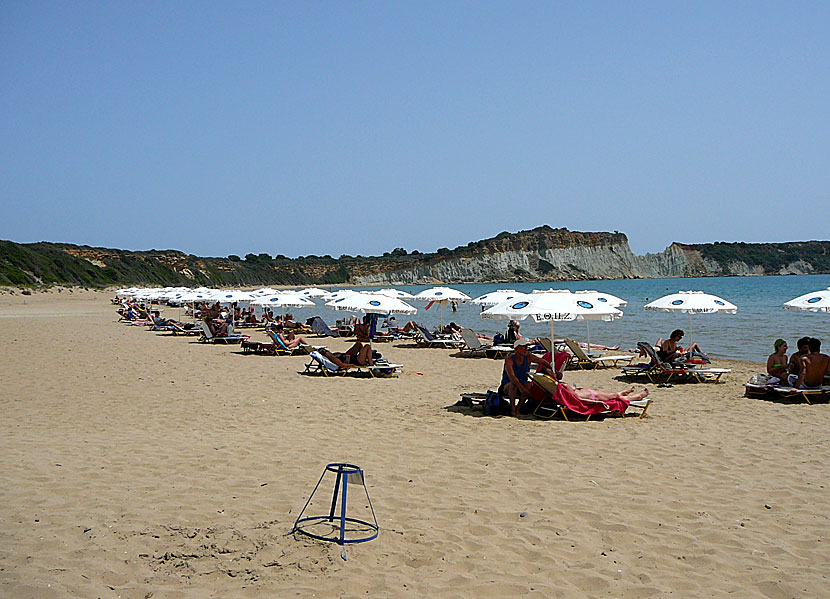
540,254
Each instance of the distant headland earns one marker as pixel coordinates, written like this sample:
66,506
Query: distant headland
539,254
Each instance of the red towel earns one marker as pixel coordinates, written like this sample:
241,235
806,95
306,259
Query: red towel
564,396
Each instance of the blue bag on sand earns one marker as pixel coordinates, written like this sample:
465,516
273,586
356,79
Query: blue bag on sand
494,405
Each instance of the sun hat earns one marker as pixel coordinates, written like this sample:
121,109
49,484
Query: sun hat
519,342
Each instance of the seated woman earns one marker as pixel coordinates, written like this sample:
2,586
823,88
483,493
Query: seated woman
359,354
250,317
777,363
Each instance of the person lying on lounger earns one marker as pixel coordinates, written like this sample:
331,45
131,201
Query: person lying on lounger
287,336
595,396
359,354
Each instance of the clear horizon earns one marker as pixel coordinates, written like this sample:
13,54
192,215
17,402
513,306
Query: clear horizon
329,128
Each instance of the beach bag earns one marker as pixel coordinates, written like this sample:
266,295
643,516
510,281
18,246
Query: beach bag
496,405
498,339
759,380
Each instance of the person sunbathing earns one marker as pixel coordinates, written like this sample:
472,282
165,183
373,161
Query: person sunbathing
604,397
777,364
288,338
359,354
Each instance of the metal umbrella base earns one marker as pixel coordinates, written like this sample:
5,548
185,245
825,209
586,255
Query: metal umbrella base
337,527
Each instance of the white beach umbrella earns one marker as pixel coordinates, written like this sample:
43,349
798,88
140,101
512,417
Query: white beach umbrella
497,297
397,293
284,300
692,302
442,295
264,291
229,296
601,298
312,292
371,303
197,295
559,305
817,301
333,295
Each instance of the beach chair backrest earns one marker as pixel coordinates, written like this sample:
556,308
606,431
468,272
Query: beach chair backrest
206,331
576,349
324,361
278,340
471,339
648,348
426,334
545,382
319,326
546,343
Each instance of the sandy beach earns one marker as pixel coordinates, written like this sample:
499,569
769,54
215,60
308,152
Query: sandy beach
136,464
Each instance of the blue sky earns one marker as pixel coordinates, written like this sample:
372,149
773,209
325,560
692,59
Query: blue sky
356,127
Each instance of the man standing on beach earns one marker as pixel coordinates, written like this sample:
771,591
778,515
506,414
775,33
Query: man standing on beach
814,367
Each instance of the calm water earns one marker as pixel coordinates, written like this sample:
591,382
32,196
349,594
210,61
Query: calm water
747,335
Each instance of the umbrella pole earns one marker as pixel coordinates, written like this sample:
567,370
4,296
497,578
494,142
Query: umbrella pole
588,329
690,330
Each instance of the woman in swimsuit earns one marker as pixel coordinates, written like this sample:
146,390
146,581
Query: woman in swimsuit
777,363
592,395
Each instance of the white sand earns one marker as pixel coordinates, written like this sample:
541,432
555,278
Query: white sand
137,465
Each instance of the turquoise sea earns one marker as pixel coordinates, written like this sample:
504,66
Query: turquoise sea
747,335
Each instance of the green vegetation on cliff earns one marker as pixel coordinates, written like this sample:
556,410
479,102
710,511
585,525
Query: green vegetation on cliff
47,264
772,257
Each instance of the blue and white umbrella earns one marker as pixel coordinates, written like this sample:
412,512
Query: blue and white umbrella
396,293
497,297
692,302
552,306
817,301
370,303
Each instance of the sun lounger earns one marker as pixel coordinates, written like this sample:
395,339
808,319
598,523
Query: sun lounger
207,336
658,370
178,329
427,339
283,350
583,361
556,399
320,364
761,386
319,326
473,346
